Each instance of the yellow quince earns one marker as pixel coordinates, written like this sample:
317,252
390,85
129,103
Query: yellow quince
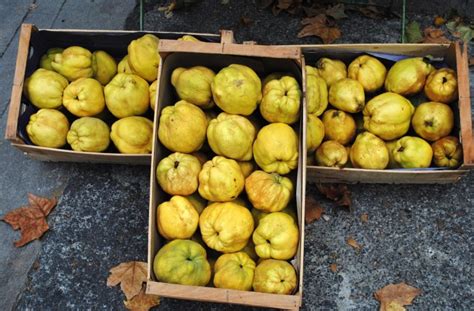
331,70
127,95
194,85
46,59
89,134
123,66
316,92
44,88
369,71
177,174
234,271
104,66
153,89
48,128
369,151
281,100
73,63
275,277
132,135
84,97
407,76
143,57
177,218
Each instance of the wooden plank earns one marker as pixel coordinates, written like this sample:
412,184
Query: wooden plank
17,89
220,295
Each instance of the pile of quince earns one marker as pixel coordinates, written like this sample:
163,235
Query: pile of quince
230,220
92,91
362,115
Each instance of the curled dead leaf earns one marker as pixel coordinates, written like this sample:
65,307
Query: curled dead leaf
336,192
353,243
130,275
396,296
333,267
313,210
434,35
321,27
142,301
439,21
364,217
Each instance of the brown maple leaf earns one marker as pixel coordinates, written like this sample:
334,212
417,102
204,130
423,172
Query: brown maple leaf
434,35
353,243
336,192
320,26
142,301
130,275
395,296
31,219
313,210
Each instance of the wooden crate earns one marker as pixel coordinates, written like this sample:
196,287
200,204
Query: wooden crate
457,58
261,58
33,43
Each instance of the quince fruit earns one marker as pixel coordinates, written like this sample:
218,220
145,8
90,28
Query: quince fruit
369,71
177,174
73,63
269,192
276,148
281,100
182,262
153,89
412,152
46,59
143,57
226,227
274,76
177,218
89,134
388,115
314,132
316,93
347,95
104,67
234,271
259,214
276,236
246,167
132,135
84,97
331,154
189,38
331,70
182,127
369,152
407,76
44,88
433,120
231,136
391,145
442,86
197,201
127,95
447,152
339,126
237,89
48,128
194,85
275,277
123,66
220,180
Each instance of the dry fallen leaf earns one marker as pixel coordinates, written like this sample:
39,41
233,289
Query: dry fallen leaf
336,11
439,21
130,275
31,219
336,192
313,210
321,27
246,21
142,301
333,267
434,35
364,217
395,296
353,243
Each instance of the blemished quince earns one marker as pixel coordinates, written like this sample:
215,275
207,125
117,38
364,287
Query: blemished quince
123,66
143,57
314,132
369,71
177,218
89,134
73,63
281,100
276,148
275,277
48,128
84,97
197,201
189,38
152,90
182,262
226,227
47,58
388,115
339,126
44,88
127,95
274,76
331,154
259,214
247,167
412,152
234,271
237,89
447,152
407,76
391,145
269,192
442,86
231,136
177,174
347,95
433,120
194,85
369,152
331,70
132,135
220,180
104,66
316,93
276,236
182,127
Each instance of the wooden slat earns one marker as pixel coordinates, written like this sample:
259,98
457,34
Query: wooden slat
17,89
220,295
